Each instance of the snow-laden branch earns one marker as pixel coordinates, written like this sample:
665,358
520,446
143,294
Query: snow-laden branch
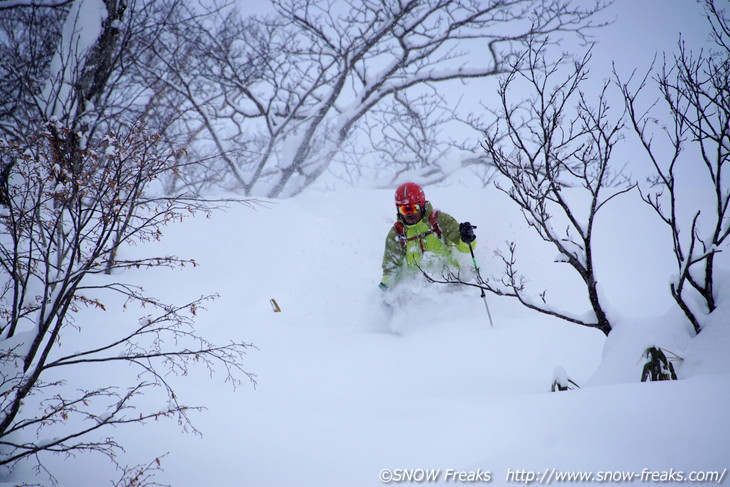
323,69
8,4
557,168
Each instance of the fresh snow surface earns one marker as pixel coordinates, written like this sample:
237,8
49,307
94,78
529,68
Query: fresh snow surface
343,392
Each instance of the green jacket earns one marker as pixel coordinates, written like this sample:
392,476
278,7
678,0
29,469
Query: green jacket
427,251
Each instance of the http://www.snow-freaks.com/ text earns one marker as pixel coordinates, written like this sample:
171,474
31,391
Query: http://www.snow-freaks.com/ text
548,476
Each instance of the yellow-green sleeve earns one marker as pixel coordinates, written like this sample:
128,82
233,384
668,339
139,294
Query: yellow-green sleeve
392,257
450,232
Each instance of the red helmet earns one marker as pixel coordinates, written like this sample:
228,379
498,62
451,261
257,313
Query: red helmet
409,194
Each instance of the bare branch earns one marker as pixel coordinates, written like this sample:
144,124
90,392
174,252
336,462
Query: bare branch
695,89
62,228
297,87
557,152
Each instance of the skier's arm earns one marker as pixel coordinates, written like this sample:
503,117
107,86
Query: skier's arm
450,231
392,258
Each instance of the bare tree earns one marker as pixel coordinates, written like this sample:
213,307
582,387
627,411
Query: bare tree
77,172
282,95
65,75
80,63
51,276
404,138
695,89
553,151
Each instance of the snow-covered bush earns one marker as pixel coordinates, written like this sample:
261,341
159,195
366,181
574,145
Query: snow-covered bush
657,366
561,381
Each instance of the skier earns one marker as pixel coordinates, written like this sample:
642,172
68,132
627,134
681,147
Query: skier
421,238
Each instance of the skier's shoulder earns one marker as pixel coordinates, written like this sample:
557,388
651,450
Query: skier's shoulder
443,217
394,231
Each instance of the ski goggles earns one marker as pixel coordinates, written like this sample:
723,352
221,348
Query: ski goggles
406,210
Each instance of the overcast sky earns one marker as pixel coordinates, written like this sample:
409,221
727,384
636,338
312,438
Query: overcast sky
645,27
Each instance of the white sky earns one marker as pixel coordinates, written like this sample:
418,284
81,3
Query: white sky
641,27
644,28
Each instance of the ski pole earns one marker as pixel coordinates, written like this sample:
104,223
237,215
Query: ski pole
484,296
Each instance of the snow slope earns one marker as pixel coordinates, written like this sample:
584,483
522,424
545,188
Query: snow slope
339,398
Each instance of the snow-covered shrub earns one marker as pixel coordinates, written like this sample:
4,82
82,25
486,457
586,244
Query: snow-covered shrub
561,381
657,366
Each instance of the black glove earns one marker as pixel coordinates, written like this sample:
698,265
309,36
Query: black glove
466,230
